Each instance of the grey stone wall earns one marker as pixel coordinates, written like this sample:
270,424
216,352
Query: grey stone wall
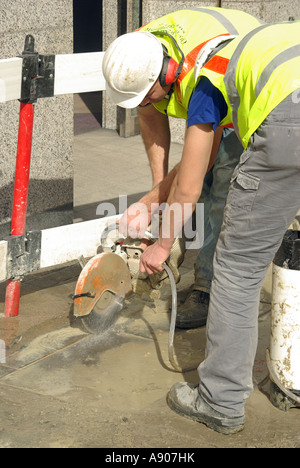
269,11
50,200
110,33
119,18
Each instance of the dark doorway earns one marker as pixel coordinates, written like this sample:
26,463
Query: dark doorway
87,34
87,25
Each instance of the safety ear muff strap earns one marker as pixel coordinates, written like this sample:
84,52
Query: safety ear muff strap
170,69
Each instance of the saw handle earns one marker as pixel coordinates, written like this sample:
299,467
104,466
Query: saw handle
112,227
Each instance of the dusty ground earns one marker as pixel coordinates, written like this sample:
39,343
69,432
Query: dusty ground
63,388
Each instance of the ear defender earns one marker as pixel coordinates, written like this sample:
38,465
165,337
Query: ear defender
170,69
168,72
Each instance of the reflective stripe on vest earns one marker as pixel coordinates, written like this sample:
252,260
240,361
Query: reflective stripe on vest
221,18
229,79
281,58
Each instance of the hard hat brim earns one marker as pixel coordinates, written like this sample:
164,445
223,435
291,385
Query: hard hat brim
127,100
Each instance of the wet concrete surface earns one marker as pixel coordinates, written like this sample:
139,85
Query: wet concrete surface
61,387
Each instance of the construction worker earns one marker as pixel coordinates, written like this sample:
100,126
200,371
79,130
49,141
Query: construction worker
258,90
182,34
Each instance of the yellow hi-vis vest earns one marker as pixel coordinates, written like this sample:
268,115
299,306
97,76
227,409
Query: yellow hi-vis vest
192,29
263,68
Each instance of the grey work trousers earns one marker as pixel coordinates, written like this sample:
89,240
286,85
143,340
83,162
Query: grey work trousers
263,199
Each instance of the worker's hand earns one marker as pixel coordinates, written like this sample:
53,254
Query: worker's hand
135,221
153,258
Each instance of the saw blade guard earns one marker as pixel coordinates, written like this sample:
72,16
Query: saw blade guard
105,276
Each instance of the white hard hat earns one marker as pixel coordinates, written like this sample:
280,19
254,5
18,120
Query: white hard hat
131,66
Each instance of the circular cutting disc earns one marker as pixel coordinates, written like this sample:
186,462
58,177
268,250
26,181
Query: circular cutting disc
105,313
101,289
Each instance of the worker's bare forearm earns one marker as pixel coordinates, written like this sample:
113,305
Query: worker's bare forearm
155,131
160,193
198,156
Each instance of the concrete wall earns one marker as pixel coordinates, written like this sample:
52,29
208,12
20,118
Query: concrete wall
268,10
110,33
51,182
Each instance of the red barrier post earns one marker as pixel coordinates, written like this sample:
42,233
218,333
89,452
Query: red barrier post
18,222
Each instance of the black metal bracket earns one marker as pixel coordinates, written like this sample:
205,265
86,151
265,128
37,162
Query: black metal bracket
38,73
23,254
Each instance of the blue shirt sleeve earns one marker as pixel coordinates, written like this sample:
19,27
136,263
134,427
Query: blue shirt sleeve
207,105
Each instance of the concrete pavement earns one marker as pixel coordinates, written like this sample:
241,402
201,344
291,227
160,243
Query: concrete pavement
62,387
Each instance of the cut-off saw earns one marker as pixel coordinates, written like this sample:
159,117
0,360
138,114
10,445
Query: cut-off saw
113,275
